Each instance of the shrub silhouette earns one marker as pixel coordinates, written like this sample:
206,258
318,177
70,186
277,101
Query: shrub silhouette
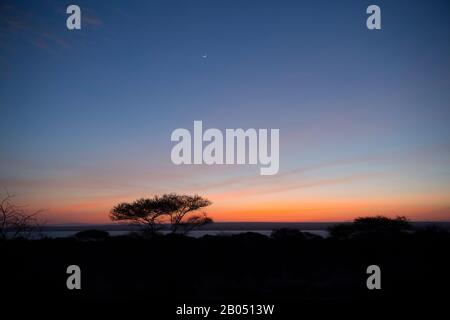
285,234
92,234
377,226
15,222
169,209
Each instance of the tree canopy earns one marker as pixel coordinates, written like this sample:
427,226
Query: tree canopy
172,209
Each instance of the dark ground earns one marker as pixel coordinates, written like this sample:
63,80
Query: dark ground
297,275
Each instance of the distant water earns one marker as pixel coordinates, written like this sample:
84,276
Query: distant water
194,233
217,228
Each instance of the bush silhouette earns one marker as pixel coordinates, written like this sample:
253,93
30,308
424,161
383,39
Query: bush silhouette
92,234
15,222
365,227
287,234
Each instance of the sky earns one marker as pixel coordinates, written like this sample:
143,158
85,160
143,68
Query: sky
87,115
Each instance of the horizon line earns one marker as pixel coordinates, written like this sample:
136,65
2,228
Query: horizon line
73,224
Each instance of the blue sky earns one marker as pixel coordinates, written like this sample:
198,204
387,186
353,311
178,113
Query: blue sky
87,114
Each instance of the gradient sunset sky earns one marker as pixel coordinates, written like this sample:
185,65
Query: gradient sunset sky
364,116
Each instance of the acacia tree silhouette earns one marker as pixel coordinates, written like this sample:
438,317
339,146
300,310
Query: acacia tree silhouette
172,209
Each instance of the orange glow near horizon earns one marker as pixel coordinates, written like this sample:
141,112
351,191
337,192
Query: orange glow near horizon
267,209
333,191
